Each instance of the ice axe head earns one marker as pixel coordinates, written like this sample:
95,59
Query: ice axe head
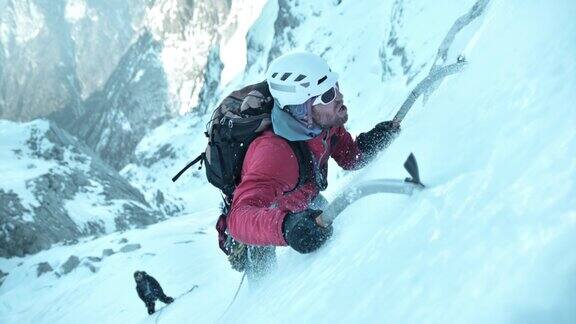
412,167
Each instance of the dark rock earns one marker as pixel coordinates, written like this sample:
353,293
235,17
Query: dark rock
136,217
70,264
159,197
71,242
286,22
183,242
3,276
166,151
94,259
107,252
123,240
130,247
42,268
90,266
209,95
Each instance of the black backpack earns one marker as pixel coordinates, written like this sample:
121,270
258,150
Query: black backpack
241,117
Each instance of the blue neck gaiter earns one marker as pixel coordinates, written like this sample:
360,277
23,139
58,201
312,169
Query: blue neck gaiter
294,122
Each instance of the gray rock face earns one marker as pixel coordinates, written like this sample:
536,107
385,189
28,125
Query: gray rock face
53,53
394,49
209,93
284,25
134,100
260,52
3,276
83,61
70,264
42,268
107,252
130,248
66,192
94,259
96,69
90,266
194,28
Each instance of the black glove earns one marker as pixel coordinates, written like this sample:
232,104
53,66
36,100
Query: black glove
167,300
377,139
302,233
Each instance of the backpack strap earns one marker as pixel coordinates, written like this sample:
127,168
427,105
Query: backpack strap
200,158
305,162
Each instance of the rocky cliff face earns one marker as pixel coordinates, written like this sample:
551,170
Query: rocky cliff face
133,101
57,52
57,189
188,30
108,72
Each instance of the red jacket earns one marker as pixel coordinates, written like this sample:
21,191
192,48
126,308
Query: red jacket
269,176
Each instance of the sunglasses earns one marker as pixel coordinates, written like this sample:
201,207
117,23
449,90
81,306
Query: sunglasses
327,97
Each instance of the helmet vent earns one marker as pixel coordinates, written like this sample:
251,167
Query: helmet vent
322,79
300,78
305,84
282,87
285,76
275,74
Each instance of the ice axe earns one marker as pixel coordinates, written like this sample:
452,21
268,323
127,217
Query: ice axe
423,85
408,185
397,186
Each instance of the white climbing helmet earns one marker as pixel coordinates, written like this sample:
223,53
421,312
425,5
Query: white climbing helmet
296,77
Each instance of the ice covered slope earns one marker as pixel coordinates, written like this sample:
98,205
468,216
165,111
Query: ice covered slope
492,239
99,288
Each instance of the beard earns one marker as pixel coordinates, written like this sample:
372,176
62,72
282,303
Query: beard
340,118
338,121
335,117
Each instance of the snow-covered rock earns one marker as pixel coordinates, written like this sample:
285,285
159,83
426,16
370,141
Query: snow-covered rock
164,152
54,189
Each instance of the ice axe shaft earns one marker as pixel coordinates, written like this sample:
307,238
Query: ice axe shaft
423,85
397,186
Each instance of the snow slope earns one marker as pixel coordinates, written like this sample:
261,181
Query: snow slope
490,240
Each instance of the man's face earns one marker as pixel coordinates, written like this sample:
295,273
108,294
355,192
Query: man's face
333,114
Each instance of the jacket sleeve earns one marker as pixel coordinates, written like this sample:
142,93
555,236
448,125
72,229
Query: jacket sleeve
270,169
345,150
154,285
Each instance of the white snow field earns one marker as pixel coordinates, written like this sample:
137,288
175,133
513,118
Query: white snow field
491,240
